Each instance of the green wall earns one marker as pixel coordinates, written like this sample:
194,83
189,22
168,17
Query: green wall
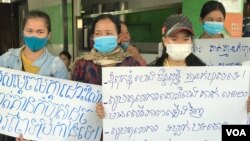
192,8
55,13
146,26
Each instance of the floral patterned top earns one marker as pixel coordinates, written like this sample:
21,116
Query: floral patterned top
88,72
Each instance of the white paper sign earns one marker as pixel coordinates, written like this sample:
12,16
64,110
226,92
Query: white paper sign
173,104
48,109
223,52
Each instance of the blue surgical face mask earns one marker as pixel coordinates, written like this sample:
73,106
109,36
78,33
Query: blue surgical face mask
105,44
213,28
34,43
124,45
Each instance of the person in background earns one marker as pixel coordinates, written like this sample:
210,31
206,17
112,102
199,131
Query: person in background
34,57
246,20
125,44
177,39
106,52
212,17
66,58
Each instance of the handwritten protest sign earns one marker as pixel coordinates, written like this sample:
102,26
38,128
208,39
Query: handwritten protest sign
45,108
173,104
223,52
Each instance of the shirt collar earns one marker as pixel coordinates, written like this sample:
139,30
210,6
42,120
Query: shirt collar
38,62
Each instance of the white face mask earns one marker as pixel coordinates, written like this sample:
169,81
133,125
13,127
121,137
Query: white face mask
179,51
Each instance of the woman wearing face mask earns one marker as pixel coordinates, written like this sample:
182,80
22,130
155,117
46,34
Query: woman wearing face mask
33,57
177,40
106,52
125,44
212,17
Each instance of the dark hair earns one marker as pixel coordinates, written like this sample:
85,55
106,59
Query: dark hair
248,1
38,14
106,16
66,53
212,6
191,59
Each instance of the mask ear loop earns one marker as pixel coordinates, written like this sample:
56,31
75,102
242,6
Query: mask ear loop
162,39
164,48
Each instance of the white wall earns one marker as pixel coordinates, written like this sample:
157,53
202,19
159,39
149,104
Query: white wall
5,1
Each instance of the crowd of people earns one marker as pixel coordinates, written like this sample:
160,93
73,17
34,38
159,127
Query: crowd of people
111,48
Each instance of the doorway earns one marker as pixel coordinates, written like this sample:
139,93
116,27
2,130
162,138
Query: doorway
11,15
